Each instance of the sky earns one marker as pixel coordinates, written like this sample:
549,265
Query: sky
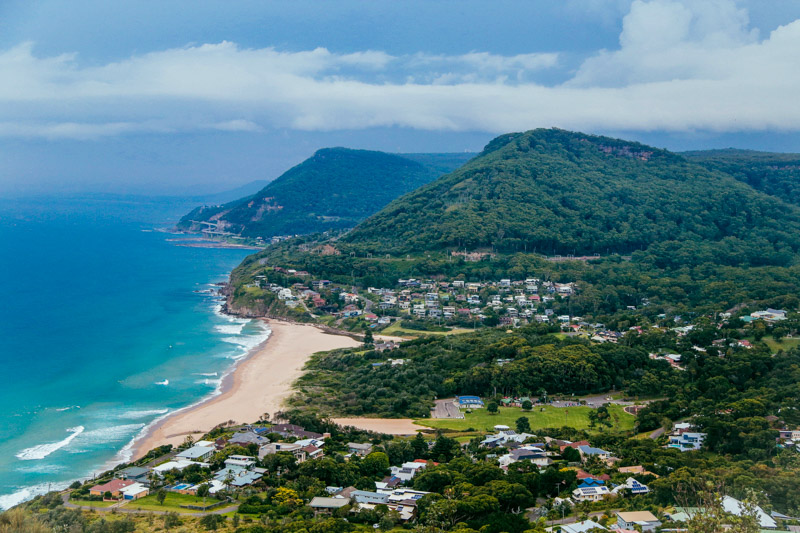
183,97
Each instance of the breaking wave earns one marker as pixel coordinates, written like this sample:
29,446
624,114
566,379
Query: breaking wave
43,450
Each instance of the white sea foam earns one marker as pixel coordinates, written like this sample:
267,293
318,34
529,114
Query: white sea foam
133,415
230,329
165,382
68,408
7,501
105,435
43,450
208,374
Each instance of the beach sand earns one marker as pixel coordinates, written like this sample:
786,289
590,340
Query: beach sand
258,385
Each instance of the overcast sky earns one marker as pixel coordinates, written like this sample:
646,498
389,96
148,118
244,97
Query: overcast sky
180,96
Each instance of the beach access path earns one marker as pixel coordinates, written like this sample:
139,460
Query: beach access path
259,384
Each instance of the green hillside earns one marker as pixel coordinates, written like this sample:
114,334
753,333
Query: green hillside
559,192
334,189
773,173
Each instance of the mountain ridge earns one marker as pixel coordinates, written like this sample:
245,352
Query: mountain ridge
332,190
558,192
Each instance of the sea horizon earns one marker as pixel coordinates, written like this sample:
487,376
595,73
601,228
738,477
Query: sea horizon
111,329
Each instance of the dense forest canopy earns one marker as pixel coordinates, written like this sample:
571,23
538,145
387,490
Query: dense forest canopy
559,192
334,189
777,174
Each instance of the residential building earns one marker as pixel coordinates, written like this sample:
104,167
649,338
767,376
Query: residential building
644,519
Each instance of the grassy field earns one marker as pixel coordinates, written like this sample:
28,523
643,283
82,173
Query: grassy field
396,330
783,344
172,502
87,503
577,417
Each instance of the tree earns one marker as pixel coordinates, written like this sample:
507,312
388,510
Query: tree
369,340
203,490
107,495
492,408
287,497
374,465
527,405
171,520
523,425
212,521
419,446
161,495
571,455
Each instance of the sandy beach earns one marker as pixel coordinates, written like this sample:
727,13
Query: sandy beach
258,385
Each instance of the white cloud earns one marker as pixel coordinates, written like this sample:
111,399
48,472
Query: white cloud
680,65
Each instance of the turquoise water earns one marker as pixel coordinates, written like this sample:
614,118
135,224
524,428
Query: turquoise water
105,326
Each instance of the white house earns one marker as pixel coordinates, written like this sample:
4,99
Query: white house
590,494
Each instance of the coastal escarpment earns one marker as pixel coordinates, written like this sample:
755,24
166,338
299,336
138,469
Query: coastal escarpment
242,302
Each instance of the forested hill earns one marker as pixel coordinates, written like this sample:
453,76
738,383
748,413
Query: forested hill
558,192
774,173
334,189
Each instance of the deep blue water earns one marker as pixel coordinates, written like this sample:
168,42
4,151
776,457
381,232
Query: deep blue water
98,313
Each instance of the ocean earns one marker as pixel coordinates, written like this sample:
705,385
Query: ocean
105,327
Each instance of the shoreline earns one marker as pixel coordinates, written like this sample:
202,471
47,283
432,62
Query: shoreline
255,384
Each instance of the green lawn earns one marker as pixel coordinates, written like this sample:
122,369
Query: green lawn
783,344
172,502
576,417
87,503
396,330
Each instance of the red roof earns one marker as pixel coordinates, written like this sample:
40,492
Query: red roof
114,485
574,445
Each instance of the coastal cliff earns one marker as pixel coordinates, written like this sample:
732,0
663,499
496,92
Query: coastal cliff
245,302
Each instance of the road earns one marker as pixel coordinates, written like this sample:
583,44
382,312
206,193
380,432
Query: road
446,409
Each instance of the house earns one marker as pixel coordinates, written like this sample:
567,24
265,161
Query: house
645,519
734,507
359,449
326,505
114,486
302,450
527,453
180,464
687,441
634,486
291,430
590,493
469,402
134,492
197,453
407,471
589,451
364,496
312,451
638,469
135,473
576,527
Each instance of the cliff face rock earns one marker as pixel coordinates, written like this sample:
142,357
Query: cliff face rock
243,304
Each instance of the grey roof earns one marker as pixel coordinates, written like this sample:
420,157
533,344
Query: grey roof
196,452
365,496
247,437
134,472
